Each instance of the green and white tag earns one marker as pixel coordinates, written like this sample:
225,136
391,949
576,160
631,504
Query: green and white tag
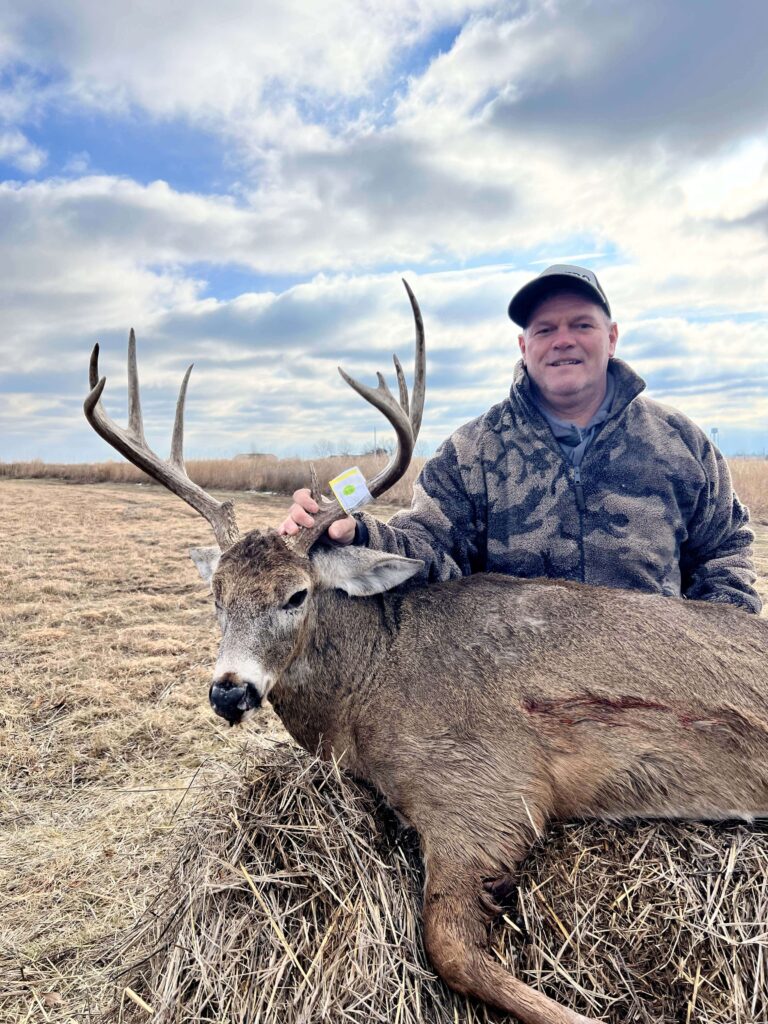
350,489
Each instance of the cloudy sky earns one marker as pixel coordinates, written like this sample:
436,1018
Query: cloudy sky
245,183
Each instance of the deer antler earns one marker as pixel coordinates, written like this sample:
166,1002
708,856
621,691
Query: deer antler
131,443
406,425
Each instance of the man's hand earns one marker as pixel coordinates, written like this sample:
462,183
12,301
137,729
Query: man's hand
300,514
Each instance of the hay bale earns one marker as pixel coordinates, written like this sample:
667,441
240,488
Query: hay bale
296,899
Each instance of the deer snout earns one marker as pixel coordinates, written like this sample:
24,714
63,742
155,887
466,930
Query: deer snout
231,697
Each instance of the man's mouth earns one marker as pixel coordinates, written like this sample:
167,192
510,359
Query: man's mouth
566,362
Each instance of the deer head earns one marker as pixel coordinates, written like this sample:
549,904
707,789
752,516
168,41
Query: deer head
264,585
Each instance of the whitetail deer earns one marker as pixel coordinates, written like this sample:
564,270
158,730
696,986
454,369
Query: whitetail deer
480,708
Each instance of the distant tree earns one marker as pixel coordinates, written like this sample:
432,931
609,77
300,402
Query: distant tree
325,449
383,448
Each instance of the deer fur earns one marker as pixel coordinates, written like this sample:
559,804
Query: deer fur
485,707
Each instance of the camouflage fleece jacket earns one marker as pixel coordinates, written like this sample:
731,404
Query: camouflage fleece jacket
654,510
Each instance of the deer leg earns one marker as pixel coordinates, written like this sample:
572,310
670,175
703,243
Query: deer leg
459,902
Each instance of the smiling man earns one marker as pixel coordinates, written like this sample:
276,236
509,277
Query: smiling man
566,345
576,475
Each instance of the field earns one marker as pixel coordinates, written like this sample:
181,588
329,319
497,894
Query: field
265,473
260,473
107,641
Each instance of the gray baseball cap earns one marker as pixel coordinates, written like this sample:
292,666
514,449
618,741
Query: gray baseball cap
560,277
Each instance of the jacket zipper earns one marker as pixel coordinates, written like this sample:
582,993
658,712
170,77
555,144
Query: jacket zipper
579,489
581,506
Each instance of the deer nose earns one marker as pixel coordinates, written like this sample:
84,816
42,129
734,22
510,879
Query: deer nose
230,697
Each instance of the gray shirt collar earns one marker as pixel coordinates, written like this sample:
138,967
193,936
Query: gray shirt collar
563,429
573,439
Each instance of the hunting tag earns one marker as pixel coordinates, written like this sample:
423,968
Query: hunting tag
350,489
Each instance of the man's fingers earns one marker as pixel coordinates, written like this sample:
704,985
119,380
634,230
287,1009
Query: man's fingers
305,501
299,517
343,530
296,519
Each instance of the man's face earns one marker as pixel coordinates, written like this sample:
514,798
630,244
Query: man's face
566,347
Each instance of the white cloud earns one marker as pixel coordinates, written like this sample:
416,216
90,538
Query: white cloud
265,367
77,163
228,64
479,157
17,150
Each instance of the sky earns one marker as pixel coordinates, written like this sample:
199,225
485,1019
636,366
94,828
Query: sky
246,183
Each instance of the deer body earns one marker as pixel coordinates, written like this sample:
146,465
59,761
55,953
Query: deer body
485,707
671,721
638,706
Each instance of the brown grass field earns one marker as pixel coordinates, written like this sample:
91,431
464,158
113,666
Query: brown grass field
263,474
108,747
266,474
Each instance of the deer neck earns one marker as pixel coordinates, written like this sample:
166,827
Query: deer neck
333,671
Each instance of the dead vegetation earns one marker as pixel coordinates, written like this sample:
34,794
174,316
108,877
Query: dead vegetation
266,474
263,474
155,865
750,481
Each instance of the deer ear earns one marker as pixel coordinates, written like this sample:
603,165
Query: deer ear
206,560
361,572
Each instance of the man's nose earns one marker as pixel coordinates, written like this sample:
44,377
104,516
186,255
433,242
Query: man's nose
562,336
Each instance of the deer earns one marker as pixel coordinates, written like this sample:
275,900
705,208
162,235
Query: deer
481,708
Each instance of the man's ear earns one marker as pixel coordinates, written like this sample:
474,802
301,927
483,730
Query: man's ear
206,560
613,337
361,572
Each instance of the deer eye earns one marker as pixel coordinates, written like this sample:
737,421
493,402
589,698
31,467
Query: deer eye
296,600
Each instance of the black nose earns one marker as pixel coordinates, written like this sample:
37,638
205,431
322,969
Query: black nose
231,699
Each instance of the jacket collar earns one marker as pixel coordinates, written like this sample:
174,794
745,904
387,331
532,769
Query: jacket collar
628,386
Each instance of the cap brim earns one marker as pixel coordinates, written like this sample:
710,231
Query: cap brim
534,293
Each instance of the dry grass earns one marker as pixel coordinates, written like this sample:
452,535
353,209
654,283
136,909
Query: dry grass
750,481
127,813
262,473
266,474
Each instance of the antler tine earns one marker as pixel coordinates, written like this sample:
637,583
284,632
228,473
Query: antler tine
419,366
131,444
314,488
406,430
407,423
402,386
383,400
135,422
177,441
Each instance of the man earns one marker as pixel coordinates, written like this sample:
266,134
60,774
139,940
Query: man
576,475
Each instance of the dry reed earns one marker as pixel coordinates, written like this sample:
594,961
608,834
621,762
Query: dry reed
296,898
750,481
266,474
262,473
